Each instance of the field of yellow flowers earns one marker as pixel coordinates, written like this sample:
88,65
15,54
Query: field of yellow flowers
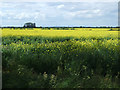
79,58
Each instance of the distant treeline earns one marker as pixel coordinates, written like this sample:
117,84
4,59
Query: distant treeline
64,27
58,28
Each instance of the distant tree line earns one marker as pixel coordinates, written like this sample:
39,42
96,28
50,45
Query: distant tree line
30,25
62,27
55,28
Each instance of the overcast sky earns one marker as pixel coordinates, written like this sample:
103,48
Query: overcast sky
59,13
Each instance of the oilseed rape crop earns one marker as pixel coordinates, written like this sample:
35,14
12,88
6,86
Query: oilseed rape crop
79,58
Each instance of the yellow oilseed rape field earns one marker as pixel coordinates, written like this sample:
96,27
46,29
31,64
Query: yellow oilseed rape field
79,58
78,32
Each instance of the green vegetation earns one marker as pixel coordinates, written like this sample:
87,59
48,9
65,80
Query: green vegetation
60,62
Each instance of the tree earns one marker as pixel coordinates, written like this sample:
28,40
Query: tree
29,25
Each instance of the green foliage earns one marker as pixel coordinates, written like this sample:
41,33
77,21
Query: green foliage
38,62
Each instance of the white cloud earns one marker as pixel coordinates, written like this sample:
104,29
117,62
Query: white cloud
41,16
60,6
96,11
72,7
25,15
1,14
59,0
22,16
49,12
89,15
83,13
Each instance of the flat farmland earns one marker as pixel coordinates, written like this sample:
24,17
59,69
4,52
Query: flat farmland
77,33
78,57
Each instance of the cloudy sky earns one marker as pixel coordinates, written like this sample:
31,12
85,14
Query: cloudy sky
59,13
